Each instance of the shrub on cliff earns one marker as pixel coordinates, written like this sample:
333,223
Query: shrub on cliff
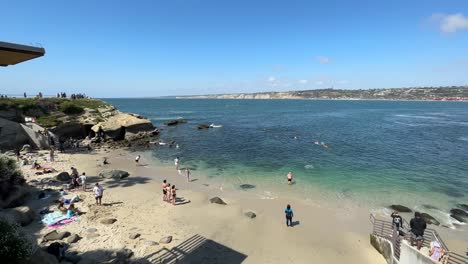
71,108
10,176
15,246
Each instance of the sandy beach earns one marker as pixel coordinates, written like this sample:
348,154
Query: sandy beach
201,232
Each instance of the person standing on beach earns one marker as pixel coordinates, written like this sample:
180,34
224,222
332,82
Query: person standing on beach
164,186
173,194
83,181
51,155
290,177
137,159
397,221
289,215
418,225
187,174
168,193
176,163
98,192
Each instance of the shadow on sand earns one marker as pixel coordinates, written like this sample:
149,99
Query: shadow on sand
197,249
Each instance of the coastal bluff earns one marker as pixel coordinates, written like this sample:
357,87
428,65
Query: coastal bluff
41,122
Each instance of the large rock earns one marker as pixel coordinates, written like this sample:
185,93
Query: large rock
166,240
63,176
114,174
73,238
42,257
458,218
429,219
69,129
54,235
203,126
117,125
400,208
22,215
12,135
217,200
459,212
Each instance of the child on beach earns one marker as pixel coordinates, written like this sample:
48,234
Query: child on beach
187,174
289,215
83,181
164,186
98,192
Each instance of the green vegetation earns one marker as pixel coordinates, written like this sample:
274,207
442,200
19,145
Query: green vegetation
10,175
71,108
48,121
14,245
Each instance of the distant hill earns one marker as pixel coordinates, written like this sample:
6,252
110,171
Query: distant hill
452,93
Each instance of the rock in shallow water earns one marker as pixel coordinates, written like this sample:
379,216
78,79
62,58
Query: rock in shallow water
250,214
217,200
429,219
246,186
114,174
400,208
459,212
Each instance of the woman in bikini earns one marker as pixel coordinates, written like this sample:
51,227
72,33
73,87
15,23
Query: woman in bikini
164,185
173,193
168,193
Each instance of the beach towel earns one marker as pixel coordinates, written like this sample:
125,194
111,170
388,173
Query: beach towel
57,218
64,222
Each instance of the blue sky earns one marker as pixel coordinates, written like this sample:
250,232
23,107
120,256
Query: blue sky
156,48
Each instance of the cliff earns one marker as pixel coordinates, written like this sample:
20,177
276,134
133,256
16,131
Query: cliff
453,93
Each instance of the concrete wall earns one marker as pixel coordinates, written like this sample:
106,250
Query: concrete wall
410,255
384,247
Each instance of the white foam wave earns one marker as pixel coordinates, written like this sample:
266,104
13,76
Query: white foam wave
417,116
464,138
309,167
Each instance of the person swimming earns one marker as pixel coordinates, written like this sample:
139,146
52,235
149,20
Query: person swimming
290,177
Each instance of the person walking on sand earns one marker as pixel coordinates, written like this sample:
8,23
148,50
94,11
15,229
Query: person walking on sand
173,194
290,177
137,159
98,192
176,163
83,181
187,174
289,215
51,155
164,190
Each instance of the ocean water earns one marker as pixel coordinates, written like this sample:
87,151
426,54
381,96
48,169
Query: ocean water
379,152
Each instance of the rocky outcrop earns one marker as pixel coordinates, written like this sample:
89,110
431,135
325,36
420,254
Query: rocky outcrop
400,208
12,135
22,215
117,125
69,130
114,174
459,214
63,176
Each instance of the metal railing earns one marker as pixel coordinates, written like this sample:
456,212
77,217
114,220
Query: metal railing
384,229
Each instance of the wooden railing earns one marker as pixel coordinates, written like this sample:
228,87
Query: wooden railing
384,229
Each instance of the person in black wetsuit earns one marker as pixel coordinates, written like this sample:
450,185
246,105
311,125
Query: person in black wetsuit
418,225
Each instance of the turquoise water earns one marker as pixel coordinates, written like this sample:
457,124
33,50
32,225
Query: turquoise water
379,151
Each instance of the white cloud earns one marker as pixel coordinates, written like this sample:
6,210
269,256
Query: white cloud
271,79
303,81
323,60
450,23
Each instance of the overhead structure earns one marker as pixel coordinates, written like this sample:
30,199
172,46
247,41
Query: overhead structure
11,54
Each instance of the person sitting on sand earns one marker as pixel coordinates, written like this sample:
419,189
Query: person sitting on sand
290,177
98,192
173,194
61,207
72,210
187,174
164,190
289,215
36,165
137,159
83,181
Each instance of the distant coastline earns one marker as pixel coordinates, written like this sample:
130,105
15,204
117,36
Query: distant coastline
452,93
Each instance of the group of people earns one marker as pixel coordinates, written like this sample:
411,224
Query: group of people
77,180
169,192
417,228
